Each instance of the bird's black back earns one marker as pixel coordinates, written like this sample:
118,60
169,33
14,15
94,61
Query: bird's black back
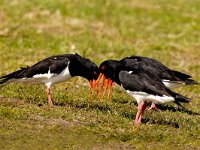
152,65
54,63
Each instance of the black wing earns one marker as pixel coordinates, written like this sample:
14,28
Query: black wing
56,64
141,82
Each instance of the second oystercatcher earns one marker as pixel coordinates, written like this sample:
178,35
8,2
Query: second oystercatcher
171,78
137,83
55,69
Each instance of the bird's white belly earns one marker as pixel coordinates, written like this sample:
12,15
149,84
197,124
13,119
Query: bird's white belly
48,78
63,76
142,96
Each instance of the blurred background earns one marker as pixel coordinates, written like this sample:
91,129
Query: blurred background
168,31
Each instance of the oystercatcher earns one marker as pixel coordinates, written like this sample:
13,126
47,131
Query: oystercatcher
137,83
171,78
55,69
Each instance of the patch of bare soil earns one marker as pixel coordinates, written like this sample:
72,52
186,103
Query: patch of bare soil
4,100
115,146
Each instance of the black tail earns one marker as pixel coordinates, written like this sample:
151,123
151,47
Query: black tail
13,75
3,80
6,78
180,98
184,77
190,81
181,75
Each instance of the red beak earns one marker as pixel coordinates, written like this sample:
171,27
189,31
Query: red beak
91,89
101,87
107,87
110,89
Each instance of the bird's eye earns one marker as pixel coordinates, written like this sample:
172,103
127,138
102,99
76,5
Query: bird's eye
95,73
103,67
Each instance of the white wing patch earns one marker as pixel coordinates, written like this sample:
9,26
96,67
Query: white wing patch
130,72
143,96
172,84
63,76
45,76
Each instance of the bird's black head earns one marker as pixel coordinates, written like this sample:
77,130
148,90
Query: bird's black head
83,67
110,69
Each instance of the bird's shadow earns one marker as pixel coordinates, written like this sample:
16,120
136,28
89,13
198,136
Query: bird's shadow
179,109
147,120
104,107
173,124
168,107
86,105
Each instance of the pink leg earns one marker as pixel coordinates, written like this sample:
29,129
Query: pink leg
140,112
153,106
137,115
49,97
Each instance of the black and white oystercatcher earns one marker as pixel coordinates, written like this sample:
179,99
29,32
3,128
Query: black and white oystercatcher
55,69
171,78
137,83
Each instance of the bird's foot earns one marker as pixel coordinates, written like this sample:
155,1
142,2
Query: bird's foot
136,123
50,102
153,107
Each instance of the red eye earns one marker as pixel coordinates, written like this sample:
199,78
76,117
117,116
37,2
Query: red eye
103,67
95,73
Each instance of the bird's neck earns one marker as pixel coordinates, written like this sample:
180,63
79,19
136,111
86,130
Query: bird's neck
76,68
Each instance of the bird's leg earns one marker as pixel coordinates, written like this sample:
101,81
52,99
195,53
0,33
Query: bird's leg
49,97
140,112
153,106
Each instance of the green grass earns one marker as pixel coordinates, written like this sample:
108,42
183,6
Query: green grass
33,30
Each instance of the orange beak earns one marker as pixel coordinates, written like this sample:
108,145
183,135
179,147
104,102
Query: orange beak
107,87
99,77
91,89
101,87
96,83
110,89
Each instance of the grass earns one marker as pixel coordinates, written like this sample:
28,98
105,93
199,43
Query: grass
33,30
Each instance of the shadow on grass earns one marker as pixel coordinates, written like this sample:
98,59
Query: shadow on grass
163,107
86,105
179,109
104,107
159,121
